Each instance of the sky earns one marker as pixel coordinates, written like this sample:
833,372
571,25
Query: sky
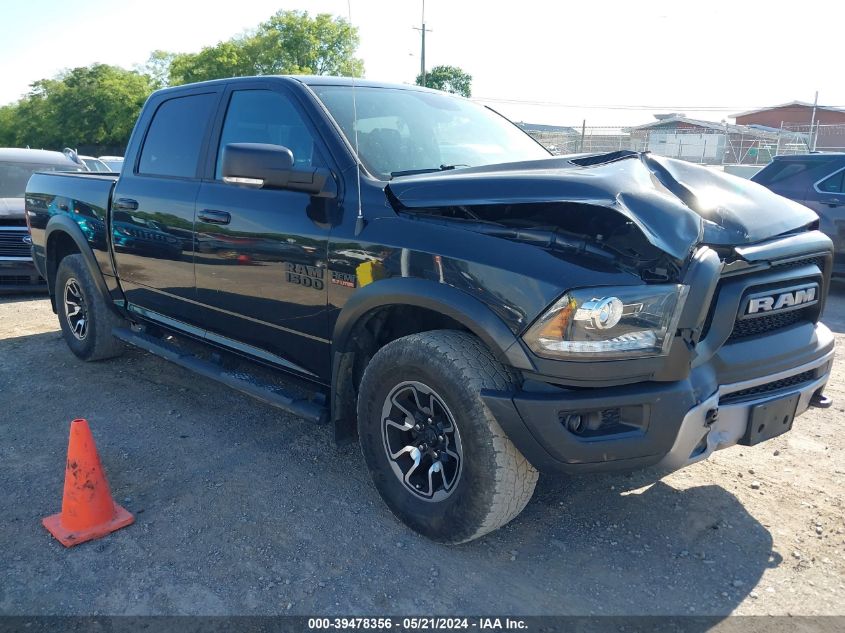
554,62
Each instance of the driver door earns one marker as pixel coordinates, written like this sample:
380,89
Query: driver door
260,260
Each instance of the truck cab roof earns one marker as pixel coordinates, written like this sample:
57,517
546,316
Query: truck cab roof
308,80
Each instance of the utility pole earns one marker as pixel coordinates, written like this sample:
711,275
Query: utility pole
422,52
810,142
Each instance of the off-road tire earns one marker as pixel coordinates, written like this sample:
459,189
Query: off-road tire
99,342
496,481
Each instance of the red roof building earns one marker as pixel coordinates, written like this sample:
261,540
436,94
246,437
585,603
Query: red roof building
795,116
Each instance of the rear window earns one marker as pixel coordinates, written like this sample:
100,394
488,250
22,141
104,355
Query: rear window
172,146
781,170
14,176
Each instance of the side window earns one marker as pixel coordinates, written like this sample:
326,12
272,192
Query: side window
173,142
783,170
264,116
833,184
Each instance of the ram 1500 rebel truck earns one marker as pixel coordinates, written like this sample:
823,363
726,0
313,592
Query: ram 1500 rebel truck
470,307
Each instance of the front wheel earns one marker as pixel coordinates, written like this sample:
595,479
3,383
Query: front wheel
436,454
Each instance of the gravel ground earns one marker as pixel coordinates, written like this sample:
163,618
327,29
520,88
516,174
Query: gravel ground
242,510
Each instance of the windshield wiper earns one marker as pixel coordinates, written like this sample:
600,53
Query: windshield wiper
428,170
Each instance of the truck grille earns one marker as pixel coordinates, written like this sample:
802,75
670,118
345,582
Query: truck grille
761,325
769,387
19,280
745,328
817,261
12,244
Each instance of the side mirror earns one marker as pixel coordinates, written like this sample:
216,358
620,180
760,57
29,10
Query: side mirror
262,165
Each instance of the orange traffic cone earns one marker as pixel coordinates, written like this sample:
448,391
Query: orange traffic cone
88,510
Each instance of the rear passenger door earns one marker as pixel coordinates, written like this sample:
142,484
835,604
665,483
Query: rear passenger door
828,200
152,220
261,253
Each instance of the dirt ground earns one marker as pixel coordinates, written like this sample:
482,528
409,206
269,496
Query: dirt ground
243,510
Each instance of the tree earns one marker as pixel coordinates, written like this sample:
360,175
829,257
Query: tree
449,79
290,43
94,106
157,68
8,121
226,59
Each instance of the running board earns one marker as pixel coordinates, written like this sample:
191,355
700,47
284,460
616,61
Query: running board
269,394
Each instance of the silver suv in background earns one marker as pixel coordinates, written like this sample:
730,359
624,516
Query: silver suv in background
17,272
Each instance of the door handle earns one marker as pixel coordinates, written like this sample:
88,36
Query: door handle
125,204
215,217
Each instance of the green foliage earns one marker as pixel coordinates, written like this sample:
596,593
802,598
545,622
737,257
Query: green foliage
289,43
8,124
226,59
449,79
96,107
92,106
157,68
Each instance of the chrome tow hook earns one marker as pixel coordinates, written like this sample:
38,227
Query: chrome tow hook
821,401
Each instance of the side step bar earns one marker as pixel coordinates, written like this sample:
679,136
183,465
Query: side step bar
269,394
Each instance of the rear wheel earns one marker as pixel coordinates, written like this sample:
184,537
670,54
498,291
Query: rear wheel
85,318
436,454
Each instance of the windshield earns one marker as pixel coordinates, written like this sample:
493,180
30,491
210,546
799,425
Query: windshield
94,164
411,131
14,176
113,164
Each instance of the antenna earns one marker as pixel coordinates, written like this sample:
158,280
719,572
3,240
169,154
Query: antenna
360,222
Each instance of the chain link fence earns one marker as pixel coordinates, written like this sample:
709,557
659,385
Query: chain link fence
732,145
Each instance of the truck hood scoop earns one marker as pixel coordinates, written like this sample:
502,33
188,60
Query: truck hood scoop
677,205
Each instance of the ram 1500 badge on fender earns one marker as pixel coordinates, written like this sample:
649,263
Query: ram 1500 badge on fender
469,307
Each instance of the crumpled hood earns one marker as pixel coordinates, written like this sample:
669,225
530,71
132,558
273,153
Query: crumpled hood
677,205
11,208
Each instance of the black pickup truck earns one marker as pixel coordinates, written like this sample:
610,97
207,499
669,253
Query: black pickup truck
470,307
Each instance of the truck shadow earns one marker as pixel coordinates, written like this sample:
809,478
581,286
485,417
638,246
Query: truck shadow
248,510
21,297
630,544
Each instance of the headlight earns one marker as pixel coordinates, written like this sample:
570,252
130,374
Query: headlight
623,322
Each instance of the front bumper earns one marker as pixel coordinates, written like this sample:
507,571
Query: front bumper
700,434
670,424
18,274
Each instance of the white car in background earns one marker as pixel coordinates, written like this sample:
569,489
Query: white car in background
95,164
114,163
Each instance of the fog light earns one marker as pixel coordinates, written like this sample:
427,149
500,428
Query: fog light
574,423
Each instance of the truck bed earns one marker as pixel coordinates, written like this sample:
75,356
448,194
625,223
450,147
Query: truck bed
82,198
91,188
